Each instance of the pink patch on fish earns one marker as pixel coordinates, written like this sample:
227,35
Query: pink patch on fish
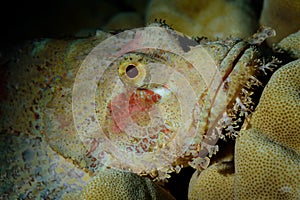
123,108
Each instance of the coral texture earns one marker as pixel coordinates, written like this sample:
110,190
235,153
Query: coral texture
291,45
280,100
115,184
264,169
266,159
217,179
267,155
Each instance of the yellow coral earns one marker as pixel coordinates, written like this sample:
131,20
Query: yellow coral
282,15
216,182
264,169
267,155
280,100
267,161
213,19
291,44
115,184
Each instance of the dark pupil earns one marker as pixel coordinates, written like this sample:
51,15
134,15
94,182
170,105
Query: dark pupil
131,71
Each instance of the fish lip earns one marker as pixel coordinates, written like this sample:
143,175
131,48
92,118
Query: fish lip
162,90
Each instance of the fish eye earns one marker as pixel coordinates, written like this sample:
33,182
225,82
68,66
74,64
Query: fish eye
132,71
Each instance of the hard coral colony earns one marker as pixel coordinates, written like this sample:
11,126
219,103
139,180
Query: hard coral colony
162,101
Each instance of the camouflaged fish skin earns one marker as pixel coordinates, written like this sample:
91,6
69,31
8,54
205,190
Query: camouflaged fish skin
37,106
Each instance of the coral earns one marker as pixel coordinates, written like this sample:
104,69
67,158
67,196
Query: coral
264,169
217,179
291,45
283,16
280,100
214,180
267,161
213,19
115,184
267,155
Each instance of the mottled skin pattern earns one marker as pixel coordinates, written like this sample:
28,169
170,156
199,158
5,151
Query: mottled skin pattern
34,75
219,110
37,107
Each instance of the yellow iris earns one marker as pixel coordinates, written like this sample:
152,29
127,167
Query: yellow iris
132,70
